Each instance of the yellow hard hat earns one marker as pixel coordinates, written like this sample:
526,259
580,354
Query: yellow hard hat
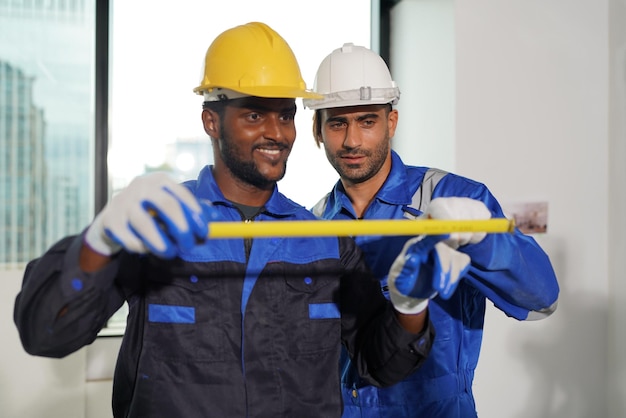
253,60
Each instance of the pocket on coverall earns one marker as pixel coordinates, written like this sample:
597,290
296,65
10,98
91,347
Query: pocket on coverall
180,324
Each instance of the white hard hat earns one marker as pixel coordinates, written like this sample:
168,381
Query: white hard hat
351,76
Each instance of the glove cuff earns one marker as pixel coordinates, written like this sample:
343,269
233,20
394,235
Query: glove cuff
407,305
96,239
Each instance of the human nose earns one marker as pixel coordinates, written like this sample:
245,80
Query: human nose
274,128
353,137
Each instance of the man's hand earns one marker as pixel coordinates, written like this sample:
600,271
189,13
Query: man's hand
455,208
424,269
154,214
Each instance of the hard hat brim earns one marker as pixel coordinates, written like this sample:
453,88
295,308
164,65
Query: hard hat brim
269,92
354,98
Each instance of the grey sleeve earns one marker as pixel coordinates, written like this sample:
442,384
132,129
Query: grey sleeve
59,308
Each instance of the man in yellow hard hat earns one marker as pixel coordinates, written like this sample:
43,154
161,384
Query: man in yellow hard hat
224,327
355,120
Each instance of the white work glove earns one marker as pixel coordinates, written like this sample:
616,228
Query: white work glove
459,208
424,269
154,214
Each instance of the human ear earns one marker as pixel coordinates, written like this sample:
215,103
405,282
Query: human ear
392,122
210,121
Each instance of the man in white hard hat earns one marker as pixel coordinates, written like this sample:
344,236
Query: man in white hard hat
224,327
355,122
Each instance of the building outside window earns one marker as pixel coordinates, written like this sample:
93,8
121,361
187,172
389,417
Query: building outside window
46,124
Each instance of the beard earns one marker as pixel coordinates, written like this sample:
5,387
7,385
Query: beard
245,170
359,173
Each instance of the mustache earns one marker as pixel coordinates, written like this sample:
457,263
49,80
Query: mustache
273,145
353,153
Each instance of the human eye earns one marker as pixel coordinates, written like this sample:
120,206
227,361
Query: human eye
368,123
288,116
253,116
336,125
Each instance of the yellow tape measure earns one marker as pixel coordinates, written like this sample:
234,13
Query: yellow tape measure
322,228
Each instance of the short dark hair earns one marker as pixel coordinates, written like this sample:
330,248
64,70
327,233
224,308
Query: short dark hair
317,128
217,107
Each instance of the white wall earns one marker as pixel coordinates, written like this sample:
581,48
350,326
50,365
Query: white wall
537,119
616,387
422,62
35,387
77,386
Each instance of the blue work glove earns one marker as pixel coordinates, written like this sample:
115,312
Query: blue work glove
459,208
426,267
154,214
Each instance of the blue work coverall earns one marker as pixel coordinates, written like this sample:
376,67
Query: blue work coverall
511,270
232,328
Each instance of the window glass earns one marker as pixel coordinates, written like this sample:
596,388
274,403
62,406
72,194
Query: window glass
156,61
46,124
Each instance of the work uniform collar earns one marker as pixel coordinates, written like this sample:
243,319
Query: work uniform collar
394,191
206,188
